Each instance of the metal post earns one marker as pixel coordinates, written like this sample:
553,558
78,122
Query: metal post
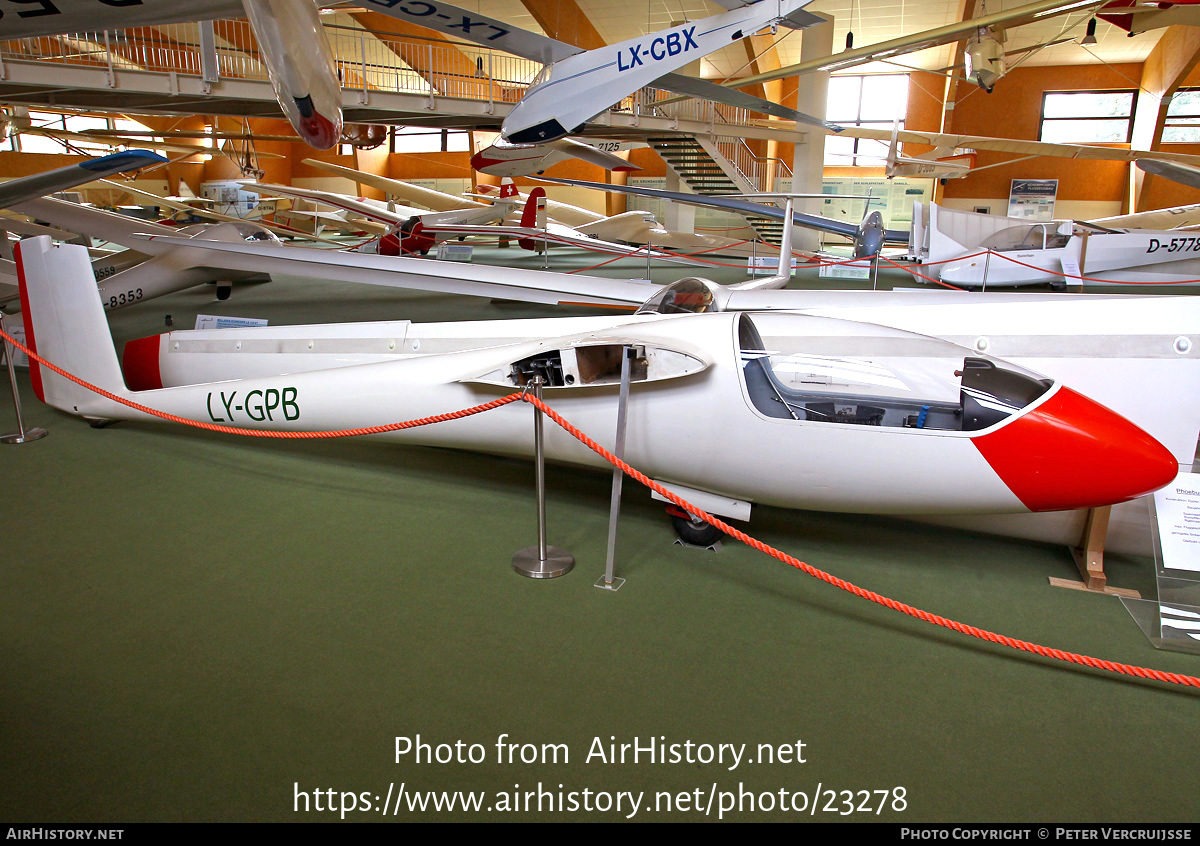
607,581
986,261
649,249
875,273
541,561
491,87
22,435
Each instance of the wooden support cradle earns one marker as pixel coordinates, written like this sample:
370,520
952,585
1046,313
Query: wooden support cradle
1089,557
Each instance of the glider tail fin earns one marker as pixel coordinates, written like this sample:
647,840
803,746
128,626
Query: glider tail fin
65,324
534,216
891,153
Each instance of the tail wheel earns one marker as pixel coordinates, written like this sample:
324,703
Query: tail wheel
693,530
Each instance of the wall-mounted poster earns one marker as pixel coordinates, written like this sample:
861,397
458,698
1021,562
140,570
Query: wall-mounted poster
1032,199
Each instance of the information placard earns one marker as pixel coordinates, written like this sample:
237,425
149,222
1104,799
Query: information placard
222,321
1178,509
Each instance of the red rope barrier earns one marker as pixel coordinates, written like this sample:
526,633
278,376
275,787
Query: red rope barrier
863,593
1081,278
815,572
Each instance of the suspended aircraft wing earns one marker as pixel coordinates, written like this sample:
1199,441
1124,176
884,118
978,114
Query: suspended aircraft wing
489,32
413,273
60,179
340,201
117,141
812,221
52,19
1018,146
436,200
921,40
556,236
1181,173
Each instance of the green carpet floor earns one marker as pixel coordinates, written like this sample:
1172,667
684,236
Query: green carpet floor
195,627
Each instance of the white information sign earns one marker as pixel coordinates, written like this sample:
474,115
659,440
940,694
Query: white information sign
766,265
455,252
17,330
221,321
1178,509
846,270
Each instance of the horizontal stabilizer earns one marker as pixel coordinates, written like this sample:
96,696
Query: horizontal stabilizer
706,90
593,155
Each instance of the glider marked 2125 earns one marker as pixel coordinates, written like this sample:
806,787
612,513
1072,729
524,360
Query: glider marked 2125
659,49
422,9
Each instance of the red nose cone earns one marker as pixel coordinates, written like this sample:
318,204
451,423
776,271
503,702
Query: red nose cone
1071,452
319,131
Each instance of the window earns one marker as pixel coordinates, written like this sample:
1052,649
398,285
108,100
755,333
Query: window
421,139
29,142
1087,117
1183,117
876,101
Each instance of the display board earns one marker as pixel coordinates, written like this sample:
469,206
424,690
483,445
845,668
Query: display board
1032,199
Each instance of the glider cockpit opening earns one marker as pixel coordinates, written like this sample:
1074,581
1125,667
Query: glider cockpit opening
793,368
691,295
1029,236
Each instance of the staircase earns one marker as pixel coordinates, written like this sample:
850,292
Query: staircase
707,171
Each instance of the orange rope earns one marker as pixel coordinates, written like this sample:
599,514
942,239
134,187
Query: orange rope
863,593
815,572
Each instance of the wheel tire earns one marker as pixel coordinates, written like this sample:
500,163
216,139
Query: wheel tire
696,532
223,291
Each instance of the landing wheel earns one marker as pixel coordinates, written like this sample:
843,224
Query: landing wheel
224,289
693,530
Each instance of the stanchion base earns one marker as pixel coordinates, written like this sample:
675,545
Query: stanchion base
35,434
614,585
558,562
715,546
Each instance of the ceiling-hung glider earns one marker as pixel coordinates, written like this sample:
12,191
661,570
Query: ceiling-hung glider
833,415
1138,16
441,201
292,45
869,235
957,31
405,235
188,205
576,85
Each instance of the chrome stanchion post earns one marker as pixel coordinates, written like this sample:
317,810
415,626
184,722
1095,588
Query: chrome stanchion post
607,581
22,435
986,261
541,561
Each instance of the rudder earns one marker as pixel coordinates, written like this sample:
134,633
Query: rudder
66,325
